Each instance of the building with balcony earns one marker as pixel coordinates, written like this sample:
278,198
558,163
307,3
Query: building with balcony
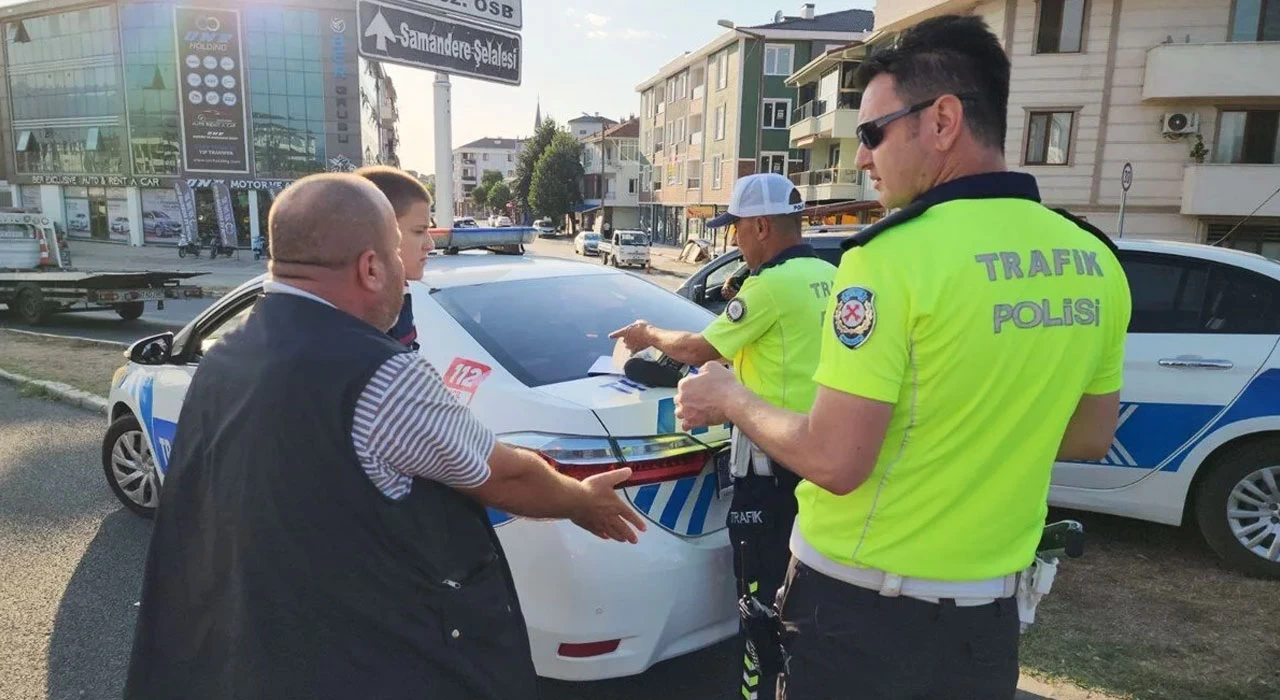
1184,90
611,179
137,122
588,125
824,129
724,111
471,160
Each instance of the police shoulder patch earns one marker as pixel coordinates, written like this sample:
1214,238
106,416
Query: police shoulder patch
736,310
855,316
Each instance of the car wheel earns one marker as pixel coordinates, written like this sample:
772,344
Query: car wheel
131,467
30,306
1238,508
130,310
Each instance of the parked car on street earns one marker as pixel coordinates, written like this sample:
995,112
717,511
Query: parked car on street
500,221
546,229
465,222
595,609
1199,434
586,243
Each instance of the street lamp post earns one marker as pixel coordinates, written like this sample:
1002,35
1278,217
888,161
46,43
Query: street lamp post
759,41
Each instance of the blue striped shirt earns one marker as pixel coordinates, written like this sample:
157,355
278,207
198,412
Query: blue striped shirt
408,425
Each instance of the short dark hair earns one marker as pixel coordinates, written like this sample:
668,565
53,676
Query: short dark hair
949,55
401,188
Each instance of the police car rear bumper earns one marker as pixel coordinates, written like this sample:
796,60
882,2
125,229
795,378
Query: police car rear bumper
965,593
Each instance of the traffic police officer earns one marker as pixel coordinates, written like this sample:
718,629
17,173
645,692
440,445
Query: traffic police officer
974,337
771,330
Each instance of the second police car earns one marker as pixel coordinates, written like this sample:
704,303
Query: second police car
512,338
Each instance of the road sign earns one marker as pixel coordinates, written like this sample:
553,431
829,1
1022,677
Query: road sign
504,12
420,40
1126,176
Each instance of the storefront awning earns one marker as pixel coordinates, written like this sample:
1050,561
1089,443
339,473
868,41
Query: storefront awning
700,211
840,208
584,208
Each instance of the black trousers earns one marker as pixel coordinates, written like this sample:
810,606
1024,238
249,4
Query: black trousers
760,520
848,642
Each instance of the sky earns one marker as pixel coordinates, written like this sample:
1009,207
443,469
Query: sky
578,57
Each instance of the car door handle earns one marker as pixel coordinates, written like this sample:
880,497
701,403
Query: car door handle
1196,363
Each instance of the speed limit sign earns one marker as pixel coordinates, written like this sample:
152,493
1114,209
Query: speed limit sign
1126,176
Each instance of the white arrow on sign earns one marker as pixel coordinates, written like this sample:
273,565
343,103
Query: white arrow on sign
380,29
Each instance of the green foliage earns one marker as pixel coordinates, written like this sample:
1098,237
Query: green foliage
556,185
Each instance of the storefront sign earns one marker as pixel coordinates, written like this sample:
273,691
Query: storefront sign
226,214
210,61
117,219
77,214
31,199
187,212
341,91
161,216
92,180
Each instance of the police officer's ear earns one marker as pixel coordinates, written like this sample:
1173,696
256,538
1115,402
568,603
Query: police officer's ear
944,122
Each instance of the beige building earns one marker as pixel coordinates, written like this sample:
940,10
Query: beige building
1100,83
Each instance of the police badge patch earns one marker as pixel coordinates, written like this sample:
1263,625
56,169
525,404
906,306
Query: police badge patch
855,316
736,310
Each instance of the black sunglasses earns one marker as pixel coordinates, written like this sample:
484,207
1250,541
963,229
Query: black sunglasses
871,133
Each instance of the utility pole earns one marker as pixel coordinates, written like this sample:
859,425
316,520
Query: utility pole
444,151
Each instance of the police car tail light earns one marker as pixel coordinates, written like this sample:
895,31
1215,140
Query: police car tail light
651,459
662,458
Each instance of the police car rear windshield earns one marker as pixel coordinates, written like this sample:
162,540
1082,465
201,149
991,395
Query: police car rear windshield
551,330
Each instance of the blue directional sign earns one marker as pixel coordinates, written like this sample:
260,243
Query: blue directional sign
395,34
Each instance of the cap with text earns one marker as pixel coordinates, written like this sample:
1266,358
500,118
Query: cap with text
762,194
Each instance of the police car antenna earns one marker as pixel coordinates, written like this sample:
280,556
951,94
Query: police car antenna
1255,211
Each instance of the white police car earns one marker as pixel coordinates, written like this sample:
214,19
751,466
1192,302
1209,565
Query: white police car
1199,433
509,336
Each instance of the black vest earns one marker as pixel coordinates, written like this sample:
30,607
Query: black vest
278,570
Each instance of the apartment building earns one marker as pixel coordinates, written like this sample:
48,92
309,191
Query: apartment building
723,111
824,129
611,180
1186,91
472,159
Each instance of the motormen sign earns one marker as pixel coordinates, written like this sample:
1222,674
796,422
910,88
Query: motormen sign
410,38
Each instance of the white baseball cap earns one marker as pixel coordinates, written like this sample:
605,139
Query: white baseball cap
762,194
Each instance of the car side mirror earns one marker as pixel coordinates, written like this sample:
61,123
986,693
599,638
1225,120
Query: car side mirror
698,293
155,350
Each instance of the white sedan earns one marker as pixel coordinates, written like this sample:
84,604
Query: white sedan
1199,435
511,339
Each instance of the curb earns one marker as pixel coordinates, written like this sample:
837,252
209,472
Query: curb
115,345
60,392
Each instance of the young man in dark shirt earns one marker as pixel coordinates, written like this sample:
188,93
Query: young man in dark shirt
412,203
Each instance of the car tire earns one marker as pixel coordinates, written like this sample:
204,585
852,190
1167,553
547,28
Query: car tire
130,311
30,307
1247,471
126,451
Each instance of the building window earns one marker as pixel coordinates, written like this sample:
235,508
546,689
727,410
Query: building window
682,85
288,100
1256,20
776,113
720,112
631,186
717,166
1251,136
778,59
1049,138
773,163
693,178
722,70
1061,27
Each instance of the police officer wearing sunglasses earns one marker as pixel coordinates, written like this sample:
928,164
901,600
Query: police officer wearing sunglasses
974,337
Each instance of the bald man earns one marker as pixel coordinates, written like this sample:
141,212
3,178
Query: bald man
323,532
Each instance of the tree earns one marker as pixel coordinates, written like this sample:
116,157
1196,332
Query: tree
555,188
528,162
480,195
490,177
498,196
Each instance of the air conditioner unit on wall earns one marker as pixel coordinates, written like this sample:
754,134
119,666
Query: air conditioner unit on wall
1180,123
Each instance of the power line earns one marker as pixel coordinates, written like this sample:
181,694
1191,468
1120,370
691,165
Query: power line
1255,211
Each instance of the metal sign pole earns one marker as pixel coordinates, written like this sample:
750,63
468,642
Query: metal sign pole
1126,180
444,151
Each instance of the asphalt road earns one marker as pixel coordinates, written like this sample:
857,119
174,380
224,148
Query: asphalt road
70,571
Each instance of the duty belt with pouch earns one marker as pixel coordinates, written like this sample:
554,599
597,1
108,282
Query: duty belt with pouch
1065,537
746,458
